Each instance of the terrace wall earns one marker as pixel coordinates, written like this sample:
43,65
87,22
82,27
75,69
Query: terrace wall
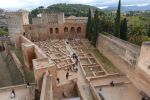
117,48
32,52
126,57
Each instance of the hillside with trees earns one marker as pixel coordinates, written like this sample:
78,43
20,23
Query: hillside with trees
132,26
68,9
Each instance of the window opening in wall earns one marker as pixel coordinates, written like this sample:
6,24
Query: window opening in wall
51,30
65,29
79,30
72,30
57,30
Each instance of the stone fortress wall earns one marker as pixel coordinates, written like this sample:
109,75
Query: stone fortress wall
125,50
15,22
56,26
132,60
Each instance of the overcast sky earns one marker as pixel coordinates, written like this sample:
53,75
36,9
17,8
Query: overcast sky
30,4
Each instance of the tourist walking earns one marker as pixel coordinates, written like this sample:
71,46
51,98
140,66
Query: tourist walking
77,62
112,83
58,80
28,84
13,95
67,75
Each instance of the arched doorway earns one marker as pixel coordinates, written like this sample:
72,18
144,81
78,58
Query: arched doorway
79,30
72,30
56,30
66,30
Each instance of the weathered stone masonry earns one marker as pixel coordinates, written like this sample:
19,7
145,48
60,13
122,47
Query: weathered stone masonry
130,59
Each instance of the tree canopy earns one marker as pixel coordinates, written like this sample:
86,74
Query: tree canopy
68,9
123,29
117,20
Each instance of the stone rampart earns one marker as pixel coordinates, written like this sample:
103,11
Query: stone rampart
110,45
128,58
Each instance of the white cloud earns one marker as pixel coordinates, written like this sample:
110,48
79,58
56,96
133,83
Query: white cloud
139,5
30,4
103,7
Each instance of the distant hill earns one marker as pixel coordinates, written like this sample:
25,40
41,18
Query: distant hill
71,9
1,11
130,8
68,9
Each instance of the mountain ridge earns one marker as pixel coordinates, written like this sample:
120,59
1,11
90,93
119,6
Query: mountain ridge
130,8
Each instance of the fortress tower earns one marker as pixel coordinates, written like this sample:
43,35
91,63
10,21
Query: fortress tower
15,22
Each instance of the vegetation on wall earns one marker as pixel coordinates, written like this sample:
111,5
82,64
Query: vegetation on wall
3,31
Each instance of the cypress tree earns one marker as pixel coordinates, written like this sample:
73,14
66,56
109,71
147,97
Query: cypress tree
88,26
117,20
123,29
96,28
148,31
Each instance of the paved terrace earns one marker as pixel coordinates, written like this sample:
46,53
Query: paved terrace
22,92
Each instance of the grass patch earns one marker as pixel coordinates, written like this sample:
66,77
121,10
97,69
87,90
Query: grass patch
108,66
29,74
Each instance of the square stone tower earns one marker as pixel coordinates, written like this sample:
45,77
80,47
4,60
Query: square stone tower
15,22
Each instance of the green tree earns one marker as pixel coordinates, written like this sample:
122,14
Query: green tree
136,35
88,24
148,34
123,29
117,20
96,28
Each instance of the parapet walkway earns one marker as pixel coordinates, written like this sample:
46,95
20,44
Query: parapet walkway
21,91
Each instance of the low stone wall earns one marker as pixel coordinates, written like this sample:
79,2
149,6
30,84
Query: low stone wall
117,48
46,92
126,57
21,91
30,50
80,93
94,92
19,65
